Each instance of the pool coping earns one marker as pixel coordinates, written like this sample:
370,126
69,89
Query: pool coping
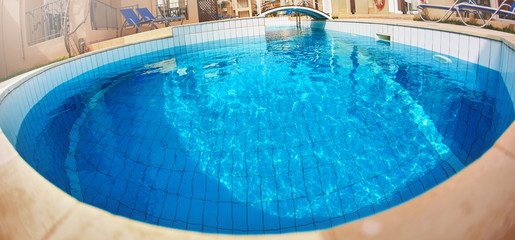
460,208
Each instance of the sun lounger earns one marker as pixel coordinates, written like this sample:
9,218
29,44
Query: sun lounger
449,10
147,15
132,20
461,6
484,9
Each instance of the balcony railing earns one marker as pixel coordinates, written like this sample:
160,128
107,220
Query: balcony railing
103,15
175,9
46,22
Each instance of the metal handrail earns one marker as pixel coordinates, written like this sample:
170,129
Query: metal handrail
267,5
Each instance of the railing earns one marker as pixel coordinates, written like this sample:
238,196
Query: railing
46,22
271,4
103,16
309,3
130,6
174,9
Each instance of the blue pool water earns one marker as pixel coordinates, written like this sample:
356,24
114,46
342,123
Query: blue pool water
292,131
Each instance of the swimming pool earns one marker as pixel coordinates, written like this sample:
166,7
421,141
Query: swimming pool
320,185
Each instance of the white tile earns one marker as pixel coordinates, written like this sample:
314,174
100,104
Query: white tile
216,36
180,30
167,43
463,47
38,86
49,83
445,43
428,39
162,44
484,52
473,53
262,30
437,40
495,55
383,28
188,29
194,28
227,25
232,24
136,50
408,35
454,44
216,26
56,78
250,31
221,34
343,27
420,38
395,34
413,37
402,35
503,62
191,39
389,29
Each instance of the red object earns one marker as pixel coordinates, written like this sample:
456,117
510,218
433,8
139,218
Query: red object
379,3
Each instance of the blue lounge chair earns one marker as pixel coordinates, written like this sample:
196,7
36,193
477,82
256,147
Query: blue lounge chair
147,15
480,9
132,20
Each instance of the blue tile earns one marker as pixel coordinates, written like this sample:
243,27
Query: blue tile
210,217
305,228
416,188
366,211
183,209
406,194
225,215
239,216
169,207
351,217
138,216
448,169
323,225
179,224
194,227
428,181
196,212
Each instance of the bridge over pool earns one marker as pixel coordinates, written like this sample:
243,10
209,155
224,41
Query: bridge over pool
311,12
